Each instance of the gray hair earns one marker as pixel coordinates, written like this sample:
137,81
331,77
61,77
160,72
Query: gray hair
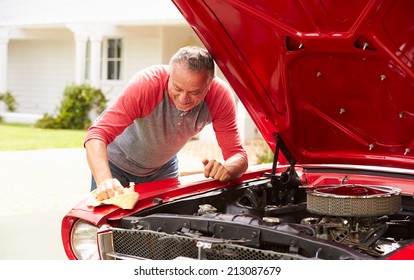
195,58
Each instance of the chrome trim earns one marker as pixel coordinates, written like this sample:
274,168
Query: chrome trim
106,245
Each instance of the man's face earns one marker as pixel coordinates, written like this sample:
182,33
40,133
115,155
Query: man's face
186,88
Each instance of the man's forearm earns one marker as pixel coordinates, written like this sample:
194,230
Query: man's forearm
97,158
236,165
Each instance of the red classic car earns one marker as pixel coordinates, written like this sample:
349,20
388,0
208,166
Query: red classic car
330,86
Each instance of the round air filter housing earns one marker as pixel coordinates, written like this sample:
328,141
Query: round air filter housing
354,200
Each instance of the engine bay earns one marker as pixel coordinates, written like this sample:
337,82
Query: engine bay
279,218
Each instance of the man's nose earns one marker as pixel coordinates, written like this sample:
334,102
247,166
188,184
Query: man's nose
184,96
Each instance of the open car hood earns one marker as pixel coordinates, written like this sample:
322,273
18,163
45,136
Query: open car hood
333,79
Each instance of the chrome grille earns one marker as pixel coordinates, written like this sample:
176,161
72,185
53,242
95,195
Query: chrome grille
153,245
144,244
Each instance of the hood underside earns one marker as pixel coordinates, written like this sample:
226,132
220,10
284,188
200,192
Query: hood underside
334,79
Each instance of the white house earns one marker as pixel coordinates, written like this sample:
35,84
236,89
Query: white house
48,44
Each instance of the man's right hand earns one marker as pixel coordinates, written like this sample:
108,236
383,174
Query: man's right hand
108,188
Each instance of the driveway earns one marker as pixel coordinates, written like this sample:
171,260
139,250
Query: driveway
38,188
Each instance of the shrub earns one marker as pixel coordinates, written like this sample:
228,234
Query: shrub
265,154
9,100
78,101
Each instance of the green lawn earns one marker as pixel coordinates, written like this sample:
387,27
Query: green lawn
14,137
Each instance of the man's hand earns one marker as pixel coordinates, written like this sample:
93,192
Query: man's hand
214,169
232,168
108,188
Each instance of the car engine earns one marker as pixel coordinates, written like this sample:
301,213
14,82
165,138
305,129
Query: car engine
273,217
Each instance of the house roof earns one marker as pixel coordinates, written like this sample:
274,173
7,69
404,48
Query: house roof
58,12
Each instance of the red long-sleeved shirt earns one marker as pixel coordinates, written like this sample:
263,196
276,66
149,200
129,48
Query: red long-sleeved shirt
144,130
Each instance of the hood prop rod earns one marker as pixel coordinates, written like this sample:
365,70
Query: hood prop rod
280,145
284,186
276,155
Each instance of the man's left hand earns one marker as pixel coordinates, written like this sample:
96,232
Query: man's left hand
216,170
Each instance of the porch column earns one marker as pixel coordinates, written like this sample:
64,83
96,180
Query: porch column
4,41
80,63
96,51
80,33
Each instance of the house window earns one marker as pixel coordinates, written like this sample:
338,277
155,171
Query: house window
114,59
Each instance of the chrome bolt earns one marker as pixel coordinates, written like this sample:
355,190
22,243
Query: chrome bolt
383,77
318,74
365,46
371,146
341,111
401,115
406,151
